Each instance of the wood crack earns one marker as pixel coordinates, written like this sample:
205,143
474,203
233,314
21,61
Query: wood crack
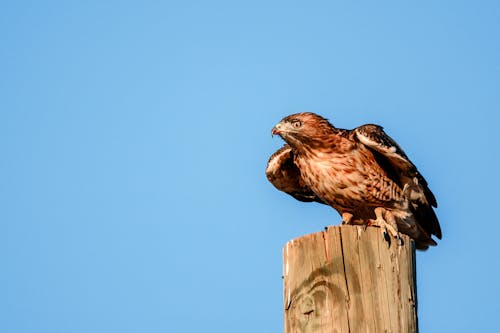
348,295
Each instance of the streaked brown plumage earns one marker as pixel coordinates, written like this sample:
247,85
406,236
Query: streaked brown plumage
362,173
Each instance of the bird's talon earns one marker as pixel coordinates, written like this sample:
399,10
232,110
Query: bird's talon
387,237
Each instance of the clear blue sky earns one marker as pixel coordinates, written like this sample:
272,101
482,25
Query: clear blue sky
134,138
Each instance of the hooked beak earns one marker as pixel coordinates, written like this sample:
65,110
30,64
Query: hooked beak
276,130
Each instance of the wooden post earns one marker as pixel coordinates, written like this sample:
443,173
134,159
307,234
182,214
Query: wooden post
348,279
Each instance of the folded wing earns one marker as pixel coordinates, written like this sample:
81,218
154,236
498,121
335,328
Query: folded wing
285,176
402,171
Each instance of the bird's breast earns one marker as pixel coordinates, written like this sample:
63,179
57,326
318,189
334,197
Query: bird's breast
346,181
337,175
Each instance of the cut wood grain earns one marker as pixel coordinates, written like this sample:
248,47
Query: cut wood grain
349,279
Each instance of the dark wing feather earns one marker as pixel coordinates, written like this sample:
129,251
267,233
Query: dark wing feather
400,169
285,176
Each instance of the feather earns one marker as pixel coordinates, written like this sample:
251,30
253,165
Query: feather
282,172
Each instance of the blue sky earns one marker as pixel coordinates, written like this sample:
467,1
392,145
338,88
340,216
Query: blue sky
134,138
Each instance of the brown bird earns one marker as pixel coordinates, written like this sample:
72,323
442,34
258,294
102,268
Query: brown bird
362,173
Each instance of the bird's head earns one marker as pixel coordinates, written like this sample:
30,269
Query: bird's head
303,128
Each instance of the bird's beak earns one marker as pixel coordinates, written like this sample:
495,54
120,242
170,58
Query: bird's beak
276,129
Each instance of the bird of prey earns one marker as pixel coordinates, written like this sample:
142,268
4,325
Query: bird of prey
362,173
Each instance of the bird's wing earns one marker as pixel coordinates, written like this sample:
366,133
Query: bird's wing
400,169
284,174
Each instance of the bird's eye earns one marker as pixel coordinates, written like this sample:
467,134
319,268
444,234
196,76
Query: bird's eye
296,123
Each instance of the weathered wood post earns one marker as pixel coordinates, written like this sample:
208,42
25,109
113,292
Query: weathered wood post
348,279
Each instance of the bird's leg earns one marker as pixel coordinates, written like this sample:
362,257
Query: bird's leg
386,221
346,218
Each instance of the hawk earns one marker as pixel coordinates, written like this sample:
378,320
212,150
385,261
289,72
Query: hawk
362,173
